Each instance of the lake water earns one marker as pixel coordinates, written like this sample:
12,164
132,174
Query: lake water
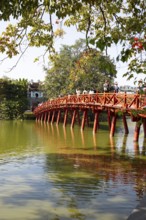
51,172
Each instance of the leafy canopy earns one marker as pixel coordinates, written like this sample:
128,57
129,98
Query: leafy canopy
104,23
75,67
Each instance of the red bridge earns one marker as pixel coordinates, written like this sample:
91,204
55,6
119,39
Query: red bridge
114,104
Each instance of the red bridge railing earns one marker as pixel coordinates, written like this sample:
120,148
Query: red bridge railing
98,100
131,104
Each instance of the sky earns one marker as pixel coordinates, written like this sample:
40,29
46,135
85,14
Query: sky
28,69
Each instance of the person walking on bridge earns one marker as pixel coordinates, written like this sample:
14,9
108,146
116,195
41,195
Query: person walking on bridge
106,86
78,92
116,88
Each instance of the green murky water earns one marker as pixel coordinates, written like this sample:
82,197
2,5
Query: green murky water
49,172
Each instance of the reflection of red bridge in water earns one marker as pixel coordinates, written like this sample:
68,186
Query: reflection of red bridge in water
133,105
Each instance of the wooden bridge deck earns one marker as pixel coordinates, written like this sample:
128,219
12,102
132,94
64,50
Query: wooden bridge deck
112,103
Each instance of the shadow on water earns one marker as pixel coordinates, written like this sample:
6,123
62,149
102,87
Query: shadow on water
58,173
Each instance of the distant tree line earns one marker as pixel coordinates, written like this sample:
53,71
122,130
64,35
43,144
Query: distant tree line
13,98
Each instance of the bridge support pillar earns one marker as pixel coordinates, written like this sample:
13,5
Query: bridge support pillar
125,124
109,117
73,118
96,121
137,131
113,125
45,116
58,117
84,119
37,118
49,116
65,117
42,116
79,121
53,117
144,127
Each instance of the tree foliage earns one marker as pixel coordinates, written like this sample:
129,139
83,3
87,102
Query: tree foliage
13,98
77,67
104,23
